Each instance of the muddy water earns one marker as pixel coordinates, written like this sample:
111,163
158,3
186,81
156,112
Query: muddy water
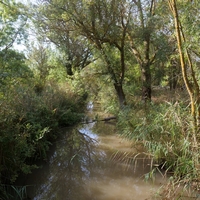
92,163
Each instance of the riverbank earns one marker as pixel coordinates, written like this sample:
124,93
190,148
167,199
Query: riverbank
30,123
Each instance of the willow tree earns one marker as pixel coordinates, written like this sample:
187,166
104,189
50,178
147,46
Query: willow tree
187,63
74,50
140,36
104,25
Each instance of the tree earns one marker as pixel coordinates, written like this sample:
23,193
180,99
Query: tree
13,68
75,50
104,25
38,60
187,68
13,21
140,33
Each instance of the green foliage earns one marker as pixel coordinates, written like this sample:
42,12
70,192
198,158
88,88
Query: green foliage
13,21
98,43
74,50
29,122
166,132
108,99
13,69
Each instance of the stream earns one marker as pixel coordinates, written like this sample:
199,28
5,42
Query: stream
91,162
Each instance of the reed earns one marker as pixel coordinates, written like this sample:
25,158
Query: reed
166,132
12,192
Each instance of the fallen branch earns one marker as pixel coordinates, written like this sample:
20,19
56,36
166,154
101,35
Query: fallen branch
97,120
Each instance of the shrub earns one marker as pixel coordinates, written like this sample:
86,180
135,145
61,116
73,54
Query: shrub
29,122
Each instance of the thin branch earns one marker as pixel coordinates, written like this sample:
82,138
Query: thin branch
4,3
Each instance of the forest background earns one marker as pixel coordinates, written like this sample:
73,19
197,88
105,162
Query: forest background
138,58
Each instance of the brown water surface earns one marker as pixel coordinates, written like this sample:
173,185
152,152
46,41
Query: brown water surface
91,162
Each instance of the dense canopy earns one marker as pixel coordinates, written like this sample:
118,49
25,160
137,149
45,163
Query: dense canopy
138,58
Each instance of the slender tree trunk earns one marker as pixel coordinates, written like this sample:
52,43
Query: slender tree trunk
190,80
144,59
120,94
146,83
146,71
173,75
118,81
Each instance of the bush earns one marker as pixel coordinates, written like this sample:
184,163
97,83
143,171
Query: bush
29,122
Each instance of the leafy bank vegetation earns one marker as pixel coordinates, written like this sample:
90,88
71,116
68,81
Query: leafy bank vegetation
35,103
30,122
139,58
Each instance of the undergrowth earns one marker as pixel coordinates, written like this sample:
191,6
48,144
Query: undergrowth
29,122
166,131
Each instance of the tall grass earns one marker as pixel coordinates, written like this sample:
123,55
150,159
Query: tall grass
9,192
166,132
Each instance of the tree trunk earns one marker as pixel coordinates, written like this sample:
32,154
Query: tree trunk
146,82
173,76
118,81
190,80
69,69
120,94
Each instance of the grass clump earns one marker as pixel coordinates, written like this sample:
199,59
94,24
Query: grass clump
166,132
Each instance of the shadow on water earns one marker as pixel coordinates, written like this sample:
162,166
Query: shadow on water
68,168
89,166
92,163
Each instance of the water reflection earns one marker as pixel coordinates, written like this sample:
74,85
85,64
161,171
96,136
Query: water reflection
87,131
86,166
69,166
